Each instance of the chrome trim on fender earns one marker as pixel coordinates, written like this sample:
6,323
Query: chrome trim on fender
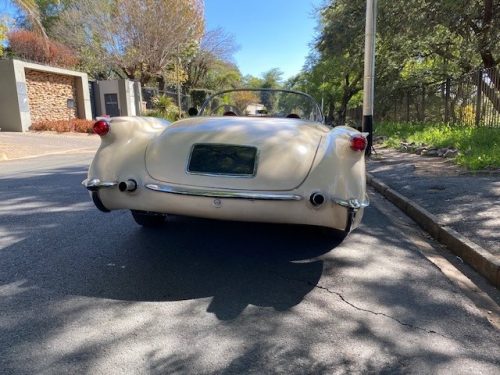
224,194
96,184
353,203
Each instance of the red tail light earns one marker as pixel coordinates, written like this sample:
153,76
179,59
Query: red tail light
358,143
101,128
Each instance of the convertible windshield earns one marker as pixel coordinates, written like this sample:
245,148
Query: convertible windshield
262,103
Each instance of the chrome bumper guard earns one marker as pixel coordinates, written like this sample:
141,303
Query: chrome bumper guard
354,204
96,184
224,194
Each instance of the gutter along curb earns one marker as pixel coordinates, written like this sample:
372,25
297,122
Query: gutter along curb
480,259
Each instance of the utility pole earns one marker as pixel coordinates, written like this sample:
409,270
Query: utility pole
178,67
369,73
322,96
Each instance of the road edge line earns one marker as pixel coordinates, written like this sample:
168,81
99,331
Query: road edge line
480,259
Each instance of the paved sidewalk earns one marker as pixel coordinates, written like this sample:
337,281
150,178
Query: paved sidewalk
468,203
31,144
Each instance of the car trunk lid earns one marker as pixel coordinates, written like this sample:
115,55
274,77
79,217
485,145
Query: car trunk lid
284,152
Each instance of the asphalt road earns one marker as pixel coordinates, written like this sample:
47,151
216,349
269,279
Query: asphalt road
87,292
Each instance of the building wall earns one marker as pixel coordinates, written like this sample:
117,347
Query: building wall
48,94
13,103
128,99
16,102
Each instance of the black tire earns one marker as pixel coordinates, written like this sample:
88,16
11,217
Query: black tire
333,234
148,219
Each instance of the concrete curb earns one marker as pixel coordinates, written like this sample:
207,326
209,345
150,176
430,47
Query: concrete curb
482,261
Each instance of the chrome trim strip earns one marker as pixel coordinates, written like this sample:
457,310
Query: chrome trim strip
95,184
353,203
224,194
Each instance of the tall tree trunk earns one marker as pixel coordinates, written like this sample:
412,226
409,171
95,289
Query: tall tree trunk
331,111
161,84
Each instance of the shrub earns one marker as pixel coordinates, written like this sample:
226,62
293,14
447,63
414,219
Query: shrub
60,126
28,45
198,96
164,107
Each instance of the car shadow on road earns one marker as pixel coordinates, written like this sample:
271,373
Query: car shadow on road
71,248
237,264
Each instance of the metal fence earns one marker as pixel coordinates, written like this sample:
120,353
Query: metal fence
148,93
472,100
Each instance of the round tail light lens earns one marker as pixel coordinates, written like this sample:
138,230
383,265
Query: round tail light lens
101,128
358,143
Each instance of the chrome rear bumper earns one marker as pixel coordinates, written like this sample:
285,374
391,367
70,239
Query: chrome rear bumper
96,184
224,194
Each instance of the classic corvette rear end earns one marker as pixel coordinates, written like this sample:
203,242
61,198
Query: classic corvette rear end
234,162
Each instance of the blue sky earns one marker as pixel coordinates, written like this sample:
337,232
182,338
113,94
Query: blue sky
270,33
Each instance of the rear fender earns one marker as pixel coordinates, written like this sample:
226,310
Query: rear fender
122,149
338,164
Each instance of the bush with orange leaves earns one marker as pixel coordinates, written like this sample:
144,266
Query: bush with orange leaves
60,126
28,45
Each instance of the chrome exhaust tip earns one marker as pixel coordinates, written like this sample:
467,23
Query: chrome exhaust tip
317,199
129,185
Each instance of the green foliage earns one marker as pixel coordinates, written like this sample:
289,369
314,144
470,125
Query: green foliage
222,76
272,79
164,107
252,82
418,42
3,36
198,96
479,148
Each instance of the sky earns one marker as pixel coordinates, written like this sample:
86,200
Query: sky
269,33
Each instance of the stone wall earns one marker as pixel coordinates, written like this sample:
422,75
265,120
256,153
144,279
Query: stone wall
47,95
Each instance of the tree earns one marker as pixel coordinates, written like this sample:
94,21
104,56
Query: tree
252,82
242,99
270,80
48,14
138,38
3,35
32,13
418,42
212,65
337,67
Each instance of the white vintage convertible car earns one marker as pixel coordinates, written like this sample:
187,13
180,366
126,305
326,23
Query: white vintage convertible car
250,155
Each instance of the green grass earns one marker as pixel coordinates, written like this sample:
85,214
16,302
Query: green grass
479,148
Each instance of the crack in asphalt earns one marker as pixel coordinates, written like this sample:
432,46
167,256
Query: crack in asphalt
375,312
342,298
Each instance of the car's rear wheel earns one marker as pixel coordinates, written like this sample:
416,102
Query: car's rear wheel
333,234
148,219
